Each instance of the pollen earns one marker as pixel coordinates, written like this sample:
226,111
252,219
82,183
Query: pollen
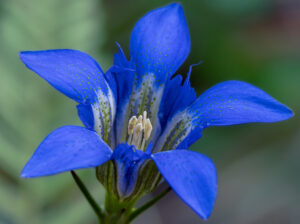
139,130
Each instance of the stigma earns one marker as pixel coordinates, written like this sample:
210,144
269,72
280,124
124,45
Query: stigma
139,130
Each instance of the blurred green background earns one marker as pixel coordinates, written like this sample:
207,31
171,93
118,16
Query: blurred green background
257,41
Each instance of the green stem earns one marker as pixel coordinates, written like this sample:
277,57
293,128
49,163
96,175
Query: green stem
148,204
88,196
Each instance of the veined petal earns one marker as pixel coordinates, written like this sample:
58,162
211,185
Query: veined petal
234,102
227,103
67,148
128,161
160,42
176,98
192,176
74,73
124,75
133,99
78,76
104,113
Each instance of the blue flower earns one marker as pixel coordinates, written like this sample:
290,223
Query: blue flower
138,113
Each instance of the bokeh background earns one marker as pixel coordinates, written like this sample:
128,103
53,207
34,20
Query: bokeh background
257,41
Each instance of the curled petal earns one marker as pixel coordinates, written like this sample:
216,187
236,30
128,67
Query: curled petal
128,161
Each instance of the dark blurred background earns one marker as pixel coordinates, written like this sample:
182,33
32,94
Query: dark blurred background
257,41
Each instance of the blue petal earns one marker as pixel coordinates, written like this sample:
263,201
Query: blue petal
71,72
67,148
227,103
85,114
128,161
192,176
235,102
110,78
160,42
78,76
176,98
120,59
124,75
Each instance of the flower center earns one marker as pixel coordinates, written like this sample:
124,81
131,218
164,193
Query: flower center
139,131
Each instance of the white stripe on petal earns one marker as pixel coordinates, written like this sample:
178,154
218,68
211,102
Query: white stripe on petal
104,111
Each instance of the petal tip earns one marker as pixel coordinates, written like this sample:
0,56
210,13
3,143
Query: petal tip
291,113
26,57
24,174
204,213
21,54
175,6
175,9
287,113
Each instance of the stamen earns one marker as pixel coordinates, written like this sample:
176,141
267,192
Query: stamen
140,120
144,118
148,129
131,124
139,130
147,132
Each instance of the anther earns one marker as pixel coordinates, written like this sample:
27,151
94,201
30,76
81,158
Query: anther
148,129
147,132
139,130
144,118
131,124
140,120
137,134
